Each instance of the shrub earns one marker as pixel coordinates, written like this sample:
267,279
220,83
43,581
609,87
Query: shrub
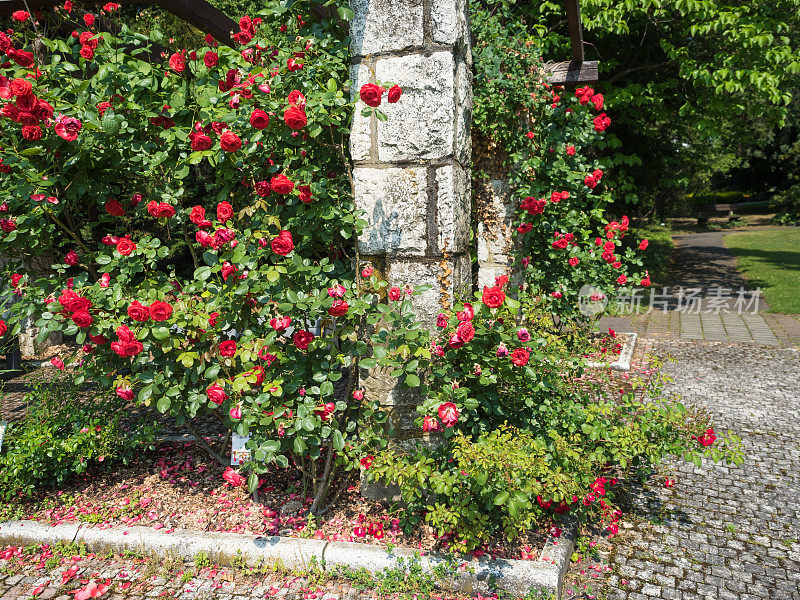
64,434
526,432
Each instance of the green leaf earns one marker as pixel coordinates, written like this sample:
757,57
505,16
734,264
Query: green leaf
412,380
501,498
345,13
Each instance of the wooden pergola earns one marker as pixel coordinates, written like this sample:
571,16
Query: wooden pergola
578,70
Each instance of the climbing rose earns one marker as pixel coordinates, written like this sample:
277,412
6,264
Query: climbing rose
88,18
259,119
643,244
71,258
601,122
305,193
201,142
216,394
138,312
125,393
160,311
371,94
210,59
224,211
465,331
21,87
395,293
114,208
127,345
67,127
177,62
573,262
570,150
520,357
280,323
302,339
430,424
493,297
707,438
448,413
82,319
125,246
622,279
282,244
20,15
229,141
338,308
280,184
467,314
668,483
441,320
295,117
394,94
227,348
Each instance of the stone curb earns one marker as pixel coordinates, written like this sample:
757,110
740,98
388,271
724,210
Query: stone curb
517,577
623,362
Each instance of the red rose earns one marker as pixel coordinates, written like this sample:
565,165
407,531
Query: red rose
302,339
338,308
71,258
601,122
465,331
281,184
622,280
229,141
395,293
3,327
27,103
125,246
262,188
87,38
68,128
213,318
88,18
448,413
160,311
32,132
21,87
570,150
200,141
707,438
160,209
283,244
493,297
20,15
138,312
233,478
573,262
114,208
23,58
643,244
177,62
210,59
296,98
227,348
520,357
44,110
305,193
216,394
394,94
102,107
87,52
371,94
82,319
259,119
224,211
295,117
136,198
198,215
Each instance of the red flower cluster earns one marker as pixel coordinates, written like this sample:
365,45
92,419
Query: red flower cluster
79,307
127,345
158,311
30,111
533,206
593,178
371,94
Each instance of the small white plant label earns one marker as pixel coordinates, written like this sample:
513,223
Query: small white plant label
239,454
3,427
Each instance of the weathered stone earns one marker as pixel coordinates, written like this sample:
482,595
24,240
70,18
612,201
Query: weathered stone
463,140
452,209
396,205
361,130
495,231
422,124
448,278
385,26
449,21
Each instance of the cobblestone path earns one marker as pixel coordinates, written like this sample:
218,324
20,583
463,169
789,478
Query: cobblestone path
723,532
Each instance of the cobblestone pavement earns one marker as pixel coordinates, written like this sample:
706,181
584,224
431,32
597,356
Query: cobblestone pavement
723,532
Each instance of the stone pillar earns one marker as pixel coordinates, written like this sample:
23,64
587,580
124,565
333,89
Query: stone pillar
412,172
495,214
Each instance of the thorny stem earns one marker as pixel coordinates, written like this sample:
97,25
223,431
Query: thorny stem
217,457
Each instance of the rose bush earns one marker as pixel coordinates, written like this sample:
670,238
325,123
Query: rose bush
198,210
565,237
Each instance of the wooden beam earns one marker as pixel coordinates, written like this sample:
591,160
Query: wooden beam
566,73
205,17
575,30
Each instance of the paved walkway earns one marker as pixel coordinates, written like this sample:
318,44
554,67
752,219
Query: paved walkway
707,298
723,532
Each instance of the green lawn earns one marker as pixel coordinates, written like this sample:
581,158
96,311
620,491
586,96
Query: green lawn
770,259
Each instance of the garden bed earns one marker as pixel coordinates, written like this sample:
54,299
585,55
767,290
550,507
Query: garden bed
177,486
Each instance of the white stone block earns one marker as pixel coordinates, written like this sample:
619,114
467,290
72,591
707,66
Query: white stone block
449,21
385,26
360,132
449,280
463,137
453,209
422,124
396,205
